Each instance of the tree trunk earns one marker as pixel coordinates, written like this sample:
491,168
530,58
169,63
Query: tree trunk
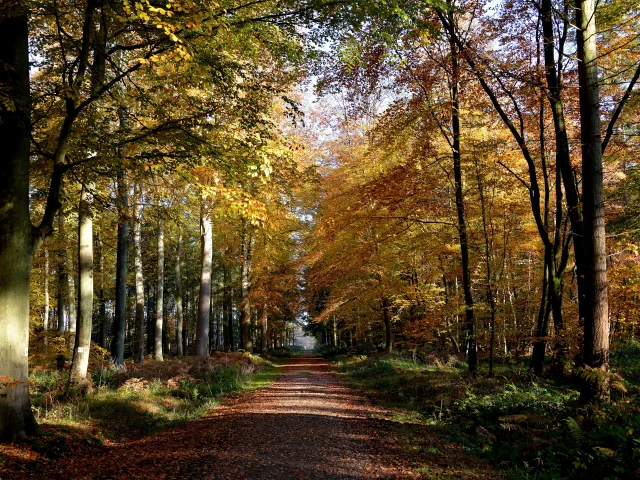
228,310
45,320
73,313
63,283
157,346
265,333
137,242
122,260
487,254
386,318
460,208
564,168
542,327
80,360
596,308
102,305
179,312
16,232
248,242
204,298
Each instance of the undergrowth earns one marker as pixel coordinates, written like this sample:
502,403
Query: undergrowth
530,427
140,399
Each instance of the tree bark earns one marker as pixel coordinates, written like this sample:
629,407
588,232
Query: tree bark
596,308
17,242
265,332
487,254
45,320
386,318
248,242
102,305
460,208
80,360
73,313
122,259
228,310
157,346
63,284
204,298
137,242
179,312
564,168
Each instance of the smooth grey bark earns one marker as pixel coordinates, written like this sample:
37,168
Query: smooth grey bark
179,312
45,320
204,298
122,263
157,345
596,308
102,305
63,283
73,313
137,242
80,360
151,308
248,242
17,236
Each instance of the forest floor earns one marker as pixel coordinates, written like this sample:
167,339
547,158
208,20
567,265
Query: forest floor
306,425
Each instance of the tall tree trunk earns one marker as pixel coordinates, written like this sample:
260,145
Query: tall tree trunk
220,327
386,318
212,321
185,326
149,290
564,168
228,310
248,242
45,320
596,308
460,208
487,255
16,232
157,346
73,313
80,360
265,331
542,327
137,243
102,304
63,283
204,298
179,312
122,258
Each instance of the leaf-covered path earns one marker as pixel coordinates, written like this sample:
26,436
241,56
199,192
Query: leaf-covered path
306,425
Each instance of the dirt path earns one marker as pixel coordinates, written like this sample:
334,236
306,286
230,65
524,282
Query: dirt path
306,425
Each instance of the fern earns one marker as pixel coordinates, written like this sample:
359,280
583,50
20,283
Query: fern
597,376
575,429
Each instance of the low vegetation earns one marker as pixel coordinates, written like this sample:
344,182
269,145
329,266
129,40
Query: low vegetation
138,399
532,427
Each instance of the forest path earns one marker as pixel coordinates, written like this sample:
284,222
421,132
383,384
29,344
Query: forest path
306,425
